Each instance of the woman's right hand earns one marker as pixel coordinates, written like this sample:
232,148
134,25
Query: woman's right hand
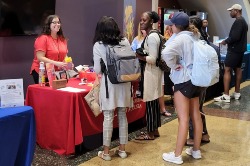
60,64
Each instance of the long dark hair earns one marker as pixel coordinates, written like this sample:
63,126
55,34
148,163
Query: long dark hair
107,31
46,27
197,22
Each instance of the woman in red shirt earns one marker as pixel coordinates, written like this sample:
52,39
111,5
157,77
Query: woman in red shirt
50,46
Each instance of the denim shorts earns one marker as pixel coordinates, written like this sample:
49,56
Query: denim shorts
188,89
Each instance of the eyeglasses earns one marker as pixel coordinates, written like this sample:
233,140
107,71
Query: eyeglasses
56,22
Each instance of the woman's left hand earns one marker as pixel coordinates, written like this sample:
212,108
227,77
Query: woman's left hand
178,67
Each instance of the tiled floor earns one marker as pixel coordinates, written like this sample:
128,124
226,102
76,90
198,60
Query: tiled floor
228,126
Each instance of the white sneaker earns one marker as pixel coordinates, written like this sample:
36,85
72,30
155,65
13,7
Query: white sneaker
235,96
104,156
121,153
225,98
196,154
170,157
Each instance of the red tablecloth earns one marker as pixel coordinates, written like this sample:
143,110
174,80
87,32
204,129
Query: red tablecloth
64,118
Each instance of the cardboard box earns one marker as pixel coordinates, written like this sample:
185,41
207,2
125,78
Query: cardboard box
56,84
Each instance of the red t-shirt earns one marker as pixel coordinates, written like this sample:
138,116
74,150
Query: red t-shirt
55,49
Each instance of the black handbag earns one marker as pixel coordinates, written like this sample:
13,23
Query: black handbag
162,65
141,52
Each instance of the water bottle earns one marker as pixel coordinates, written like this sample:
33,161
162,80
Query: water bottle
41,74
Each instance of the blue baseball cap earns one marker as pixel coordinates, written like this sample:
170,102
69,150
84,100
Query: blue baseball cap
179,18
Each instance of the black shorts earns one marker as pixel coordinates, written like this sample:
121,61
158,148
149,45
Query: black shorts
188,89
234,60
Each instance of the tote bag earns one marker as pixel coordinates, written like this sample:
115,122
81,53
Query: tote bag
92,98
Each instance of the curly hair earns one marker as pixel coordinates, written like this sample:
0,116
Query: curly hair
46,27
154,16
107,31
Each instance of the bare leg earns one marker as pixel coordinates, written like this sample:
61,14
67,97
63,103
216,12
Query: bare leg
182,108
122,147
161,101
238,72
227,79
162,104
197,122
105,149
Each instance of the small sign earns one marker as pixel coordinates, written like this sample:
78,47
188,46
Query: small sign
11,93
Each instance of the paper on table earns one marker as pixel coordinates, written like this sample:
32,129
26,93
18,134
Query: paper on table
71,89
219,41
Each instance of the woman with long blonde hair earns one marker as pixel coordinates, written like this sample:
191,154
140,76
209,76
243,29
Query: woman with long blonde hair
136,43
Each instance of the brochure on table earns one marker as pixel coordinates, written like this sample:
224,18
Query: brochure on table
11,93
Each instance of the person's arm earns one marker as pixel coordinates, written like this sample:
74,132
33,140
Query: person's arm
41,57
40,46
143,58
235,33
152,42
99,51
170,54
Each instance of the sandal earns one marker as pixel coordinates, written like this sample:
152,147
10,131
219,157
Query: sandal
190,142
104,156
144,136
156,134
166,113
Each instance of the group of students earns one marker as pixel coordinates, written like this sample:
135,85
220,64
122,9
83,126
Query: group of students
51,47
186,95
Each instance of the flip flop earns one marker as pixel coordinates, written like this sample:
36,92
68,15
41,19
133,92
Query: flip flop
202,142
188,144
205,141
144,137
166,113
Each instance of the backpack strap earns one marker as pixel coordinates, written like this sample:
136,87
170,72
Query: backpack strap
142,44
105,71
160,45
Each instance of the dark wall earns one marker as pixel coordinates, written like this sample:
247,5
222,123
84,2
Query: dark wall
79,21
170,4
79,18
141,7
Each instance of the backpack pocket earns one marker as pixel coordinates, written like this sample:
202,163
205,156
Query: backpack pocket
128,69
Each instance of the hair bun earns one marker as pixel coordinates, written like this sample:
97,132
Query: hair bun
155,17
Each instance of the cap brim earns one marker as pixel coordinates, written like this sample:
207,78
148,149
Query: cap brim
168,22
229,9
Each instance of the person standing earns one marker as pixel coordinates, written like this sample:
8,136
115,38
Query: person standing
50,46
152,90
197,22
203,30
236,46
136,43
108,33
178,56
